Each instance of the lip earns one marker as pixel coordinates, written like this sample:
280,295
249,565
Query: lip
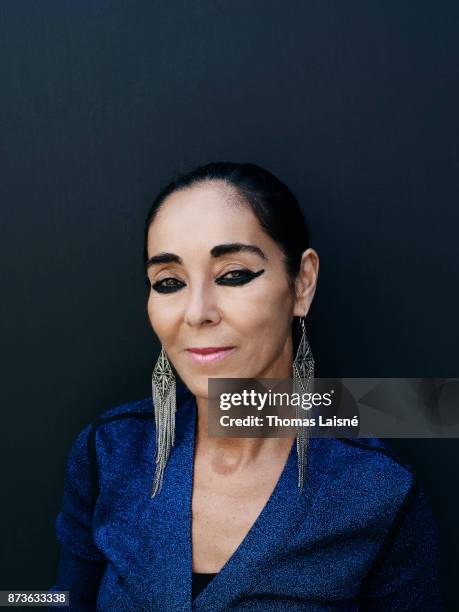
209,353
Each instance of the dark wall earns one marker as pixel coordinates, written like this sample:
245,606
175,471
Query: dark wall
353,104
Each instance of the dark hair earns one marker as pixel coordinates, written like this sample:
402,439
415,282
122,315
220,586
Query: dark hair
271,201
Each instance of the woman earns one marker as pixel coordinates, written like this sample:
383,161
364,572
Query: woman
157,515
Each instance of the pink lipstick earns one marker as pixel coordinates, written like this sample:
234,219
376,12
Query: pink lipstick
209,353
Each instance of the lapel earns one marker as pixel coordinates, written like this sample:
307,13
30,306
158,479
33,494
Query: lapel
169,526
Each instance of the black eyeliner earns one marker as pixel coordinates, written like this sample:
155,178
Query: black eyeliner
164,288
246,277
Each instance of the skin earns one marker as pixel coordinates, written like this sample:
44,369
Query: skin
255,318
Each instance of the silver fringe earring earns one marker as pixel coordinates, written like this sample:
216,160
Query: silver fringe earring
164,401
303,378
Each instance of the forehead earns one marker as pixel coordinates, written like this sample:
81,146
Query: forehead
201,216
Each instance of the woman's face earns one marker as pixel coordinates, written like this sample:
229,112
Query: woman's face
218,282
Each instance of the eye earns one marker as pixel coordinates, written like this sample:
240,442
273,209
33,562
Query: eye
168,285
238,277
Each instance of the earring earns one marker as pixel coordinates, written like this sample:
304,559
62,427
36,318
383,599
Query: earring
164,402
303,376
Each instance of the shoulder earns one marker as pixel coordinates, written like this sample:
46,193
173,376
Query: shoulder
119,427
119,439
126,426
371,456
366,493
84,444
366,479
142,410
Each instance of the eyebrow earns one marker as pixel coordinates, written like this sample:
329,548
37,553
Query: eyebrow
216,251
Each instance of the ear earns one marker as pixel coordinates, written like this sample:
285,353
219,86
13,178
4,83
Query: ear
306,282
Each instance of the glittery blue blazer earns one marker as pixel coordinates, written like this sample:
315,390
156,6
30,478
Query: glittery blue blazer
361,537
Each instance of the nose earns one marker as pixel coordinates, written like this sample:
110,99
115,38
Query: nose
201,308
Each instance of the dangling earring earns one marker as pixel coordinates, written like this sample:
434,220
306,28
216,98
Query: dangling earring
303,376
164,403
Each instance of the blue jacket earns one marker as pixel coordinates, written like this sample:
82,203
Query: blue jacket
361,537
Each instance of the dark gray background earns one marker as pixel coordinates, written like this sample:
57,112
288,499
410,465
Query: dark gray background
353,104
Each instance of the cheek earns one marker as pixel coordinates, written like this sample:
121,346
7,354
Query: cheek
264,321
161,318
152,312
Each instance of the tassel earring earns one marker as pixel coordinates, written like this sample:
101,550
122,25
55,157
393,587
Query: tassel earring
164,402
303,377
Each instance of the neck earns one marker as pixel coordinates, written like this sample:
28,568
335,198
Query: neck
233,454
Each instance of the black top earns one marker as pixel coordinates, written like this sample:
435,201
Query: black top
200,581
